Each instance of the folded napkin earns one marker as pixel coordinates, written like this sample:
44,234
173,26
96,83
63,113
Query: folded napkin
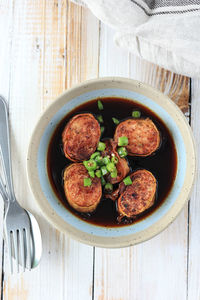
165,32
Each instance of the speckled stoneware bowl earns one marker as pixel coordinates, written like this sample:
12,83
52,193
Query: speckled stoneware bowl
145,229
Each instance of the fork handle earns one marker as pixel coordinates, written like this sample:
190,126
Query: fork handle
5,148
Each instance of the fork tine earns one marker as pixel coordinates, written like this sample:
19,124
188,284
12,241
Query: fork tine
16,252
28,249
9,244
21,245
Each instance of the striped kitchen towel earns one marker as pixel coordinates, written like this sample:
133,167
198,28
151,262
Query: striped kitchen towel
165,32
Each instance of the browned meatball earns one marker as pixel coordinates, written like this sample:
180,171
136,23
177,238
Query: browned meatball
139,196
80,137
122,165
143,136
81,198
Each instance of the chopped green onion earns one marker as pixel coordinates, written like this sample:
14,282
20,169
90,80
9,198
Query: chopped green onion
101,146
136,114
98,173
85,163
87,182
114,174
104,171
109,187
100,105
114,159
100,118
116,121
110,167
122,152
90,165
122,141
127,180
95,154
99,160
103,182
91,173
106,160
102,129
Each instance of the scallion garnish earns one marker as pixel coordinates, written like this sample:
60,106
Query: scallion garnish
136,114
127,180
109,187
114,159
104,171
98,173
122,141
114,174
100,118
122,152
91,173
95,154
100,105
90,165
106,160
102,129
99,160
87,182
116,121
103,182
110,167
101,146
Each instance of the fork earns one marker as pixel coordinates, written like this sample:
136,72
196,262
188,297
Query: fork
17,225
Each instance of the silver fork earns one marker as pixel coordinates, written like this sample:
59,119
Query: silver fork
17,225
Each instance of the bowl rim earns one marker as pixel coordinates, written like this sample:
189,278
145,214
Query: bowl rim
122,241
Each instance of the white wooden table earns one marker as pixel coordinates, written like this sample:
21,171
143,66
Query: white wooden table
47,46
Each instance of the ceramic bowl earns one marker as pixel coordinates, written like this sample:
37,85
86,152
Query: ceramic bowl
123,236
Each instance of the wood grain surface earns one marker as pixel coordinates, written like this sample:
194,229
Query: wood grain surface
194,206
46,47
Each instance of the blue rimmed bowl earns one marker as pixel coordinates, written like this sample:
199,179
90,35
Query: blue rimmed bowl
128,235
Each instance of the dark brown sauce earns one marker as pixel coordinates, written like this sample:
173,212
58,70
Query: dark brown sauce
162,164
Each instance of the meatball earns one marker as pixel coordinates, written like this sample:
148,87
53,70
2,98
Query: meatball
82,198
143,136
122,165
80,137
139,196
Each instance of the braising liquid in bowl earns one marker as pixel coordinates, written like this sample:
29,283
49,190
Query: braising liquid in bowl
163,163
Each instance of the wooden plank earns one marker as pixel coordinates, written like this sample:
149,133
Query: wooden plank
6,27
112,266
82,45
54,50
46,39
25,96
177,87
113,61
194,237
156,269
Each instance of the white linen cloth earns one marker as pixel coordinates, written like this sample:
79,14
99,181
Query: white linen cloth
165,32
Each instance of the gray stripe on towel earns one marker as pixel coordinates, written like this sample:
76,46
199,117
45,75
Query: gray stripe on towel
152,13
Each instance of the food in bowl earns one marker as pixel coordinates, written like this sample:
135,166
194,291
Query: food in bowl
80,137
143,136
126,156
121,163
82,198
138,196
